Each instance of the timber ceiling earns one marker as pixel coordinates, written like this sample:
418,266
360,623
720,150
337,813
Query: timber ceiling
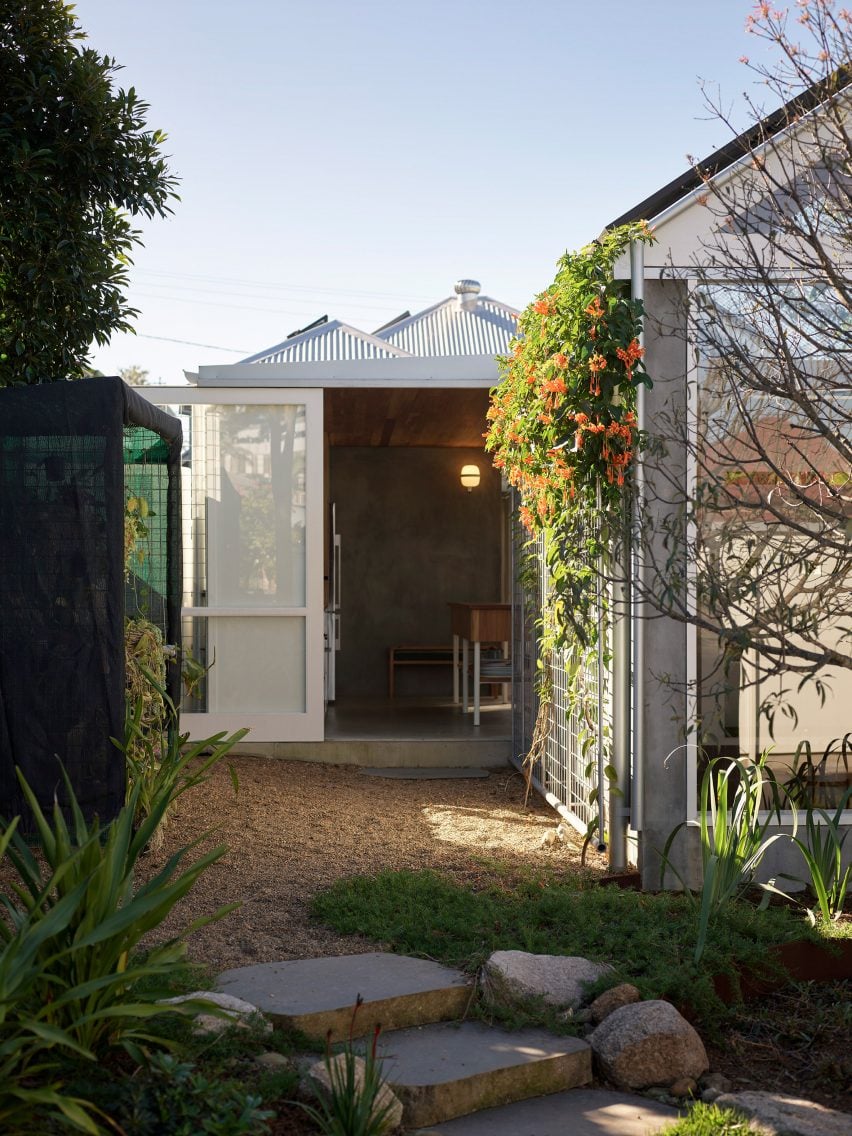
405,417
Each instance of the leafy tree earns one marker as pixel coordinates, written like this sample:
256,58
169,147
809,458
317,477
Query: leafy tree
134,376
76,164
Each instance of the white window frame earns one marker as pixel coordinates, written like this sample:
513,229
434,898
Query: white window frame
693,379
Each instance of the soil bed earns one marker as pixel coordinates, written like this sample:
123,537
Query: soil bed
794,1041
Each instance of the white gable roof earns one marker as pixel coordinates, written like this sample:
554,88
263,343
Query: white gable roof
464,324
333,340
452,343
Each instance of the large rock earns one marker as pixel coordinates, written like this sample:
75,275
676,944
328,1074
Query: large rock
325,1074
773,1114
647,1043
512,976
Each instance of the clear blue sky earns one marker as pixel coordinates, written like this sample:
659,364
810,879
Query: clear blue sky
355,159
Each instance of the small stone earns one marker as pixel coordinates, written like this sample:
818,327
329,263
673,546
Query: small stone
622,995
710,1095
581,1017
207,1024
224,1001
321,1077
684,1087
657,1093
238,1013
715,1081
273,1061
512,976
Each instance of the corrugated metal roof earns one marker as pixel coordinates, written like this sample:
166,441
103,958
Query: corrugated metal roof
481,327
330,341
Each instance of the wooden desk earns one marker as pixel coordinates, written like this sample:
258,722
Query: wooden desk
477,624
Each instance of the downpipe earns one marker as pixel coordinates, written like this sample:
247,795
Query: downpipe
627,649
637,612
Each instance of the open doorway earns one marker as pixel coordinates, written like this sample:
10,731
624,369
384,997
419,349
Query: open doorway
413,540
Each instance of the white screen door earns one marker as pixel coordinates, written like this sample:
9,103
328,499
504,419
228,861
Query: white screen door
252,526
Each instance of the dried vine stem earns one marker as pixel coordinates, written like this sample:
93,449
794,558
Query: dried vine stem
542,730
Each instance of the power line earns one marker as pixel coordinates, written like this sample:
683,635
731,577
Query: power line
288,303
207,303
192,343
322,290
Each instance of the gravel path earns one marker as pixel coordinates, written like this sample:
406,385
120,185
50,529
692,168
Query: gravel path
296,827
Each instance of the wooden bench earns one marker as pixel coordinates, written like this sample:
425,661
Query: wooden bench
408,656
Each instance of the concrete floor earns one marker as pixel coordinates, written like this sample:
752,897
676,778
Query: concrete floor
405,733
420,719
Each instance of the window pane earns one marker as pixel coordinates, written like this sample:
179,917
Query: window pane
770,554
251,460
259,665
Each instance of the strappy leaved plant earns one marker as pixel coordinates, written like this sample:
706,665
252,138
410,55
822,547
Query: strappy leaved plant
733,837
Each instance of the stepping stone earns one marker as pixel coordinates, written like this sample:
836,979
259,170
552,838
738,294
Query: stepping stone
581,1112
424,773
318,995
448,1070
787,1116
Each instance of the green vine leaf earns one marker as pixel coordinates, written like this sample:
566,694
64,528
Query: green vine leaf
563,429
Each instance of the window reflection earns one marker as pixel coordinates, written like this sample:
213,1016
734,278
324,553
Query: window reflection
256,505
768,482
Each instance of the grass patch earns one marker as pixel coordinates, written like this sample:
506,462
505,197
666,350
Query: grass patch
649,939
708,1120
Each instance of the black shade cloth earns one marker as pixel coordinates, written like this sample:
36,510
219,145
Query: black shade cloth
62,587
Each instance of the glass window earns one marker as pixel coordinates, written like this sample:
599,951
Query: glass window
766,481
249,497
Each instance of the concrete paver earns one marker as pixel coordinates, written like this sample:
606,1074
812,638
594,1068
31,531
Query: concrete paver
448,1070
580,1112
318,995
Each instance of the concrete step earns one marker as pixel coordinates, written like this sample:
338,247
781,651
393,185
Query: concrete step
444,1071
580,1112
490,752
318,995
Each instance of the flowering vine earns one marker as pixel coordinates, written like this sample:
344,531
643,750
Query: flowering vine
562,421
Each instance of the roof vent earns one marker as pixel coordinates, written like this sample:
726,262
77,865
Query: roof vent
308,327
467,291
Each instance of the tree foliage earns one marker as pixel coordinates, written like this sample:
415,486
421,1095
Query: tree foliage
77,162
134,375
